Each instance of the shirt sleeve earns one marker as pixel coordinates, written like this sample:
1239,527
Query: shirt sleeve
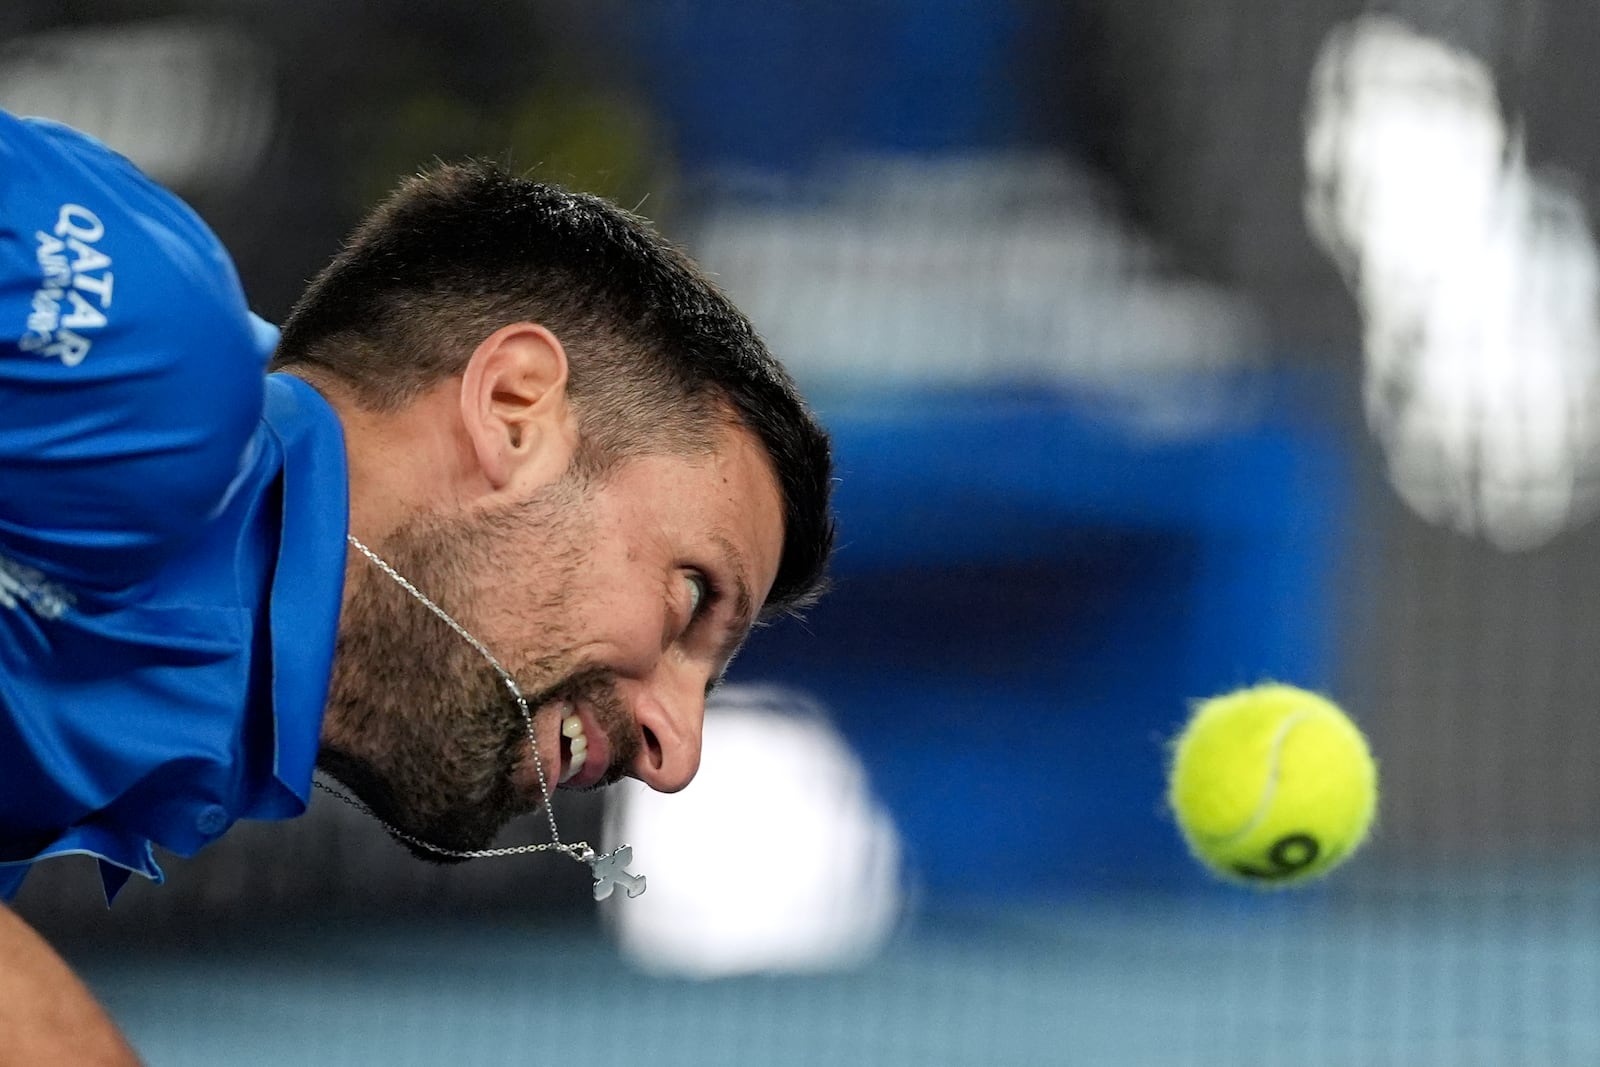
131,370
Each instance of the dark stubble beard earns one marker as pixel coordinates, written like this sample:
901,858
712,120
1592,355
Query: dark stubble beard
424,731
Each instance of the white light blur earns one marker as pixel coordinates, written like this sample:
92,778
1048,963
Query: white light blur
1477,281
190,102
969,271
776,859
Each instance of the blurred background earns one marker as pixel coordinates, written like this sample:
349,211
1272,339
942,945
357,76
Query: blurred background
1168,348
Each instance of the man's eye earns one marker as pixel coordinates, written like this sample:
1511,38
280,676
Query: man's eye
699,593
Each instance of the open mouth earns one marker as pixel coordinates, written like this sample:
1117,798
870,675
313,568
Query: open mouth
574,747
583,753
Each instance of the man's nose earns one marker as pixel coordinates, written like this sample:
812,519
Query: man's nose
670,719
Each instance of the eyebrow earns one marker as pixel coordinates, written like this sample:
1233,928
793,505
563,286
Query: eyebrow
743,605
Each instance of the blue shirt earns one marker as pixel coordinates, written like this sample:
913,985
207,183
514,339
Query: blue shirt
172,525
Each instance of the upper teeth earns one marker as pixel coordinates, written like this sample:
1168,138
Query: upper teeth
572,730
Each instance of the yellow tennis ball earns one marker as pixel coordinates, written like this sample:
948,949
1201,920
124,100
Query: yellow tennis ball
1273,785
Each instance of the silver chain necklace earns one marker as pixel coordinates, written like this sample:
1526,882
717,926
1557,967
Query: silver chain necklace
607,868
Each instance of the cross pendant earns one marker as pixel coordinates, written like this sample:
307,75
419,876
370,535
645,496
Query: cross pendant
608,873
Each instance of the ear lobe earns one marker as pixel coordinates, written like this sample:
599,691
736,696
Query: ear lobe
514,407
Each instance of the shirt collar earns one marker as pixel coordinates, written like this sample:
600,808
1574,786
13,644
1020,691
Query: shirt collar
307,582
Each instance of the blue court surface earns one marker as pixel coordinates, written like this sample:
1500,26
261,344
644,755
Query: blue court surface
1493,970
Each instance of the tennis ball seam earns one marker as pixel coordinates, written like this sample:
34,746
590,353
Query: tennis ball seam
1274,774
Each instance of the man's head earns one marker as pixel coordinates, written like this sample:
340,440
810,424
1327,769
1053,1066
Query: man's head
564,434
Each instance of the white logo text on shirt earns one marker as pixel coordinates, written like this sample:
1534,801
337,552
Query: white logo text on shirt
21,585
70,305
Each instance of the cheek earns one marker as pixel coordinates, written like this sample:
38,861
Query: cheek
628,626
618,602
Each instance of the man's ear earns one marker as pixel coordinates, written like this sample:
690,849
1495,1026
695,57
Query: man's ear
514,407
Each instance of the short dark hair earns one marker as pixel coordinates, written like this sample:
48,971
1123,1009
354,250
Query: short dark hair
658,356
